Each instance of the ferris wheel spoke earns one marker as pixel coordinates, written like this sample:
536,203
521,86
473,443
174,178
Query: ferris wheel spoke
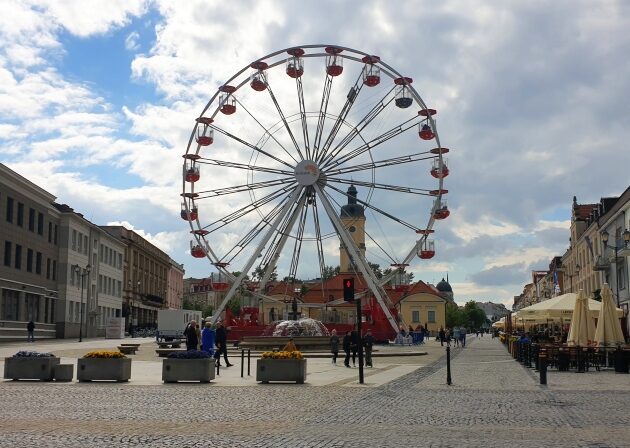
318,238
387,135
284,120
297,245
273,254
381,163
362,124
341,118
245,210
372,207
250,145
243,166
244,187
267,132
397,188
380,247
323,107
300,91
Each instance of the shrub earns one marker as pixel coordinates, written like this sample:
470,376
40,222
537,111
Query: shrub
29,354
190,354
283,355
104,354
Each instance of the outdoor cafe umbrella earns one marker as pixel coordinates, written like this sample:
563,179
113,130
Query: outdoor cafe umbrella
608,332
582,329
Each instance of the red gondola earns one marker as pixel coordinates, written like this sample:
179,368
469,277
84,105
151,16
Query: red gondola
259,77
427,250
190,214
425,132
197,251
371,72
441,210
295,67
334,62
440,169
191,172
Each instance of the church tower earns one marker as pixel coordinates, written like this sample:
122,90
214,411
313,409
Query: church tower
353,219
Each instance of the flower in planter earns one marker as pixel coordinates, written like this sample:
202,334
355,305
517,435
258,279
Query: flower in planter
190,354
29,354
104,354
283,355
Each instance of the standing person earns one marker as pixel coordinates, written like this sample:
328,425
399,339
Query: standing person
334,346
30,330
462,336
346,348
447,336
355,340
221,342
192,340
441,336
456,336
368,342
207,339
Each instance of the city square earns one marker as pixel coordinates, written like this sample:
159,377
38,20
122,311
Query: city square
493,401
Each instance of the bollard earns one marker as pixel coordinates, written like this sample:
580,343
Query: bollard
242,361
580,360
448,365
543,369
249,357
528,355
218,365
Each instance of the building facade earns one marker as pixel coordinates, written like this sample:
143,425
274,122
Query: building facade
29,237
175,286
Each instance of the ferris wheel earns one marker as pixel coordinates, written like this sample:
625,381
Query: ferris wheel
293,141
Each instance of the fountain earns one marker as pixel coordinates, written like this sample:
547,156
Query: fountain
296,328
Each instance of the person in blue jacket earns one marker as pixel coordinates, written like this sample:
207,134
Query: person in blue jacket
207,339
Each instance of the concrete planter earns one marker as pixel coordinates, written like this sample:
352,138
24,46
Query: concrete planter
174,370
268,369
104,369
22,368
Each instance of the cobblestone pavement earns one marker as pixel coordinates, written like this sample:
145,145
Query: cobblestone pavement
493,402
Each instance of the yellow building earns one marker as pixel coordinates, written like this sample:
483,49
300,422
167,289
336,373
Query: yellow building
353,219
424,305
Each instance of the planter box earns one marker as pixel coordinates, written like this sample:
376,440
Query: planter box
105,369
268,369
22,368
174,370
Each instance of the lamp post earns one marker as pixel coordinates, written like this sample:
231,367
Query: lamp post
624,244
132,291
82,272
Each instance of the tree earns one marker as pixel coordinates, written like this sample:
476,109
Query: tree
475,316
455,316
259,273
235,306
376,268
188,305
207,311
330,272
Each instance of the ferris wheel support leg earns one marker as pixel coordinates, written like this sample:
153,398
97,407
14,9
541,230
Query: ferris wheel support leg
281,243
274,226
354,253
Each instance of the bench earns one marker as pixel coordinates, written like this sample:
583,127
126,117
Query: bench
127,350
303,343
130,345
164,352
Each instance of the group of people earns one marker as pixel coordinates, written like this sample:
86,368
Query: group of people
350,344
456,335
207,339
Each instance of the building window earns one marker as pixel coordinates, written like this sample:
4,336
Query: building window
80,245
119,261
38,263
7,253
29,260
55,234
101,253
620,277
18,256
31,219
48,268
74,240
415,316
9,209
50,232
431,317
20,214
85,245
54,270
40,223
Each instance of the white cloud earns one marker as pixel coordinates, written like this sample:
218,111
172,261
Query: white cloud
131,42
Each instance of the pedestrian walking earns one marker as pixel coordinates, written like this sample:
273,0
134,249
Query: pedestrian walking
346,348
462,336
456,336
221,343
334,346
192,340
368,343
441,336
447,337
30,331
355,340
207,338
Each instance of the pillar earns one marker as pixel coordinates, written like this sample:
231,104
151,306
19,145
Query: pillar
42,309
21,306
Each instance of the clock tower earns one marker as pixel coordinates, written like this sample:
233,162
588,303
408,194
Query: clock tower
353,219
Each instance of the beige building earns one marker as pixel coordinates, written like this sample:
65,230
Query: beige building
353,218
145,279
175,286
423,305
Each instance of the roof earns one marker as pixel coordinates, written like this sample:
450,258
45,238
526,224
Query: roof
444,286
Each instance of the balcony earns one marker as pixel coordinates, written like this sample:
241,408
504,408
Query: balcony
151,299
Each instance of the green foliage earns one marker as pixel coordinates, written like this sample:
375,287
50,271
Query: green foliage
376,268
188,305
259,273
235,306
207,311
303,290
330,272
469,316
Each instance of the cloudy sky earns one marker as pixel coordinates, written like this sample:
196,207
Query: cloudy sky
98,101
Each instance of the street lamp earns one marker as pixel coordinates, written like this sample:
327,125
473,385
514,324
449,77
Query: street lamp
132,291
626,239
82,272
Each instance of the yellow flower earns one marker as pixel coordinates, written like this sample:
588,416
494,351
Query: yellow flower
104,354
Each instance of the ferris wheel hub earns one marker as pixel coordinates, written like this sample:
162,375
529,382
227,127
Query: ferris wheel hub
307,172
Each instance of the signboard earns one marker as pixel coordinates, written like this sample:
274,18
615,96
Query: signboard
115,328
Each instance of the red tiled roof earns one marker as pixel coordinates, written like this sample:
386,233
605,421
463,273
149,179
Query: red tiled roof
583,211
